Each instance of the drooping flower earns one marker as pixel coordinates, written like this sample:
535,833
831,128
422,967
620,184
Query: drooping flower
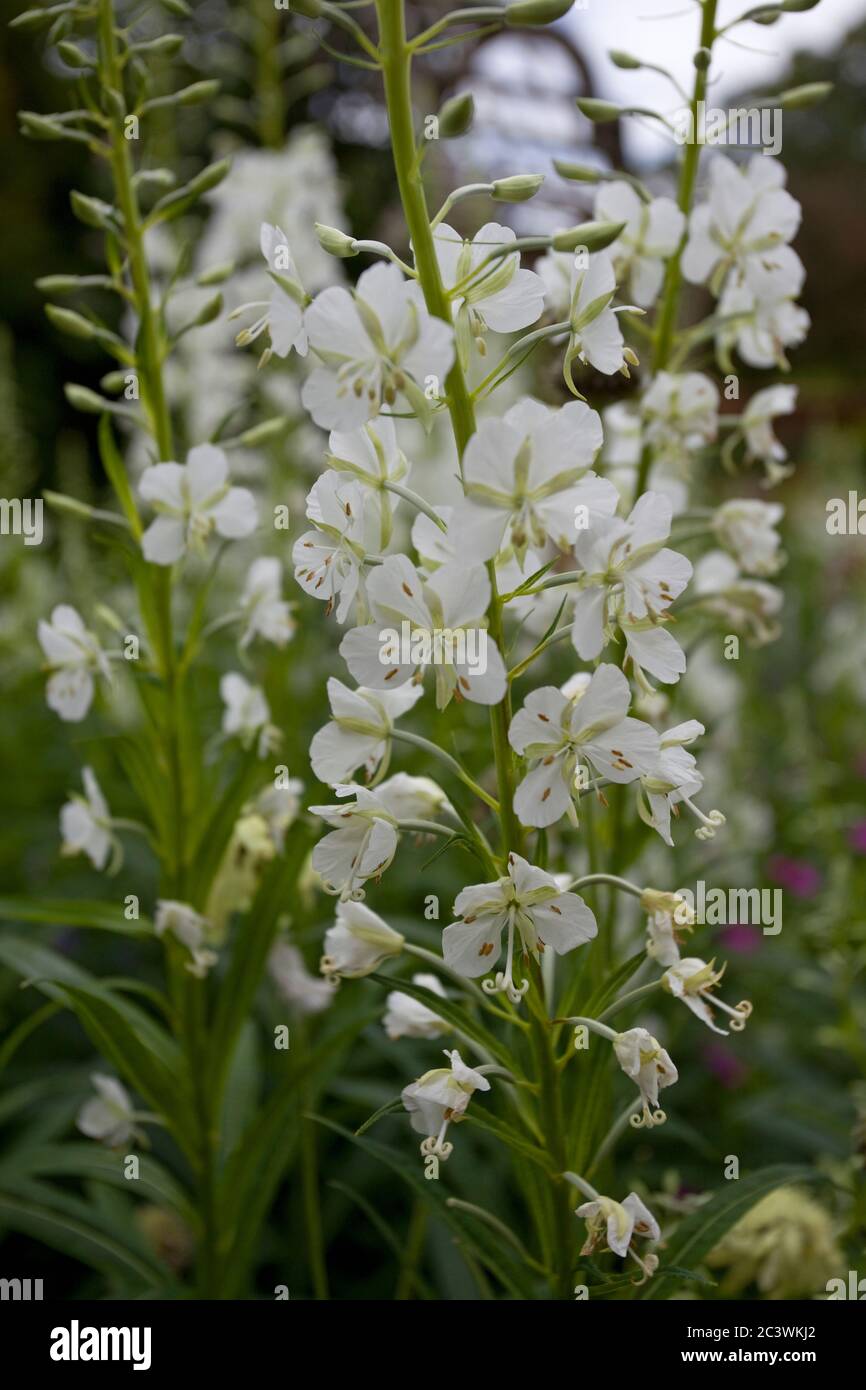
693,980
748,213
438,622
560,734
372,457
304,992
499,297
648,1065
378,347
284,311
438,1099
615,1224
366,830
191,929
595,336
673,781
406,1017
527,901
278,806
680,414
74,657
359,734
247,714
746,527
527,480
357,943
329,560
630,578
756,424
85,824
266,613
109,1116
758,315
670,917
192,500
652,233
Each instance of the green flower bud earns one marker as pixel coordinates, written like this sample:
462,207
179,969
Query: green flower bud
335,242
217,275
456,116
73,56
516,189
67,321
268,429
798,6
82,398
579,173
802,98
702,59
598,111
623,60
595,236
531,12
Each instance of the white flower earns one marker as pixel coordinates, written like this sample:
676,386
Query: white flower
109,1116
501,297
247,713
746,527
329,560
558,734
265,612
616,1224
74,657
406,1017
439,622
670,916
191,929
359,735
673,780
439,1098
435,547
630,578
526,899
756,424
193,500
303,992
652,233
693,981
622,435
373,458
357,943
648,1065
526,479
751,604
85,823
595,334
761,325
366,830
278,806
680,414
378,346
554,270
284,319
748,213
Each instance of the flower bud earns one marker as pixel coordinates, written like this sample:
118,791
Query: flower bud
598,111
578,173
456,116
335,242
802,98
702,59
67,321
519,188
531,12
595,236
623,60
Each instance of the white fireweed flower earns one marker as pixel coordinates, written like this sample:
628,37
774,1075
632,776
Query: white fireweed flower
527,900
373,458
278,807
439,622
746,527
762,323
693,980
648,1065
748,213
680,413
652,233
364,839
434,546
527,480
329,560
670,917
85,824
440,1098
109,1116
247,714
554,270
73,656
265,612
284,311
756,426
559,735
630,578
357,943
500,298
623,435
191,929
615,1224
359,735
192,501
378,347
595,335
748,604
673,781
304,993
406,1017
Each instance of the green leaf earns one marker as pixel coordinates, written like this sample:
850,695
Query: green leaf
74,912
388,1108
695,1237
116,473
84,1160
511,1138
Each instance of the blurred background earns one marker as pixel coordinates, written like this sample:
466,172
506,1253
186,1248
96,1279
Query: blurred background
786,755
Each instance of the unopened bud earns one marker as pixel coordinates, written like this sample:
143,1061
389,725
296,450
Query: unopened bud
598,111
456,116
516,189
530,12
335,242
594,236
801,98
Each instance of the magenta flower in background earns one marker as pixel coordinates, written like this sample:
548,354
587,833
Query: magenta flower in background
741,937
797,876
725,1065
857,836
